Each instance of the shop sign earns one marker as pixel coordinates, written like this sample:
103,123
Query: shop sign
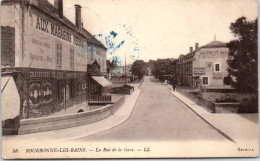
55,74
51,28
217,76
74,74
199,71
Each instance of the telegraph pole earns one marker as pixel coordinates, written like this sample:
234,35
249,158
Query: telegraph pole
125,70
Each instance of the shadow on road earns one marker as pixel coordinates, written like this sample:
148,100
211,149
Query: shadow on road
251,117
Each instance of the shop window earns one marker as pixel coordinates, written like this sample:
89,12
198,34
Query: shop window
72,58
217,67
58,54
205,81
227,80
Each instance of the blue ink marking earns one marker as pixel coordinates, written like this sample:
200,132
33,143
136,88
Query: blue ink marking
134,42
112,47
113,34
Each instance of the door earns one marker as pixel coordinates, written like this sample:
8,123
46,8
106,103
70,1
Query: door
61,93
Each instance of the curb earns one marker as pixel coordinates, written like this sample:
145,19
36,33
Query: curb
140,83
108,128
205,120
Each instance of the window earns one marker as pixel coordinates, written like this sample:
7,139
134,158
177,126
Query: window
217,67
205,81
58,54
227,80
72,58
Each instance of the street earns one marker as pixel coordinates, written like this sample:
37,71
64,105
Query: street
159,116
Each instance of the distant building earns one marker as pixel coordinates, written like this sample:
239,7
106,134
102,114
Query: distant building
205,67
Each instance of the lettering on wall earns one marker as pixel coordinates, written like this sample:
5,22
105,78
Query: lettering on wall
50,28
199,71
213,54
217,76
45,32
40,51
33,73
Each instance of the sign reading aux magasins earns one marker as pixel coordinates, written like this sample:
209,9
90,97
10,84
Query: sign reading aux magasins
50,28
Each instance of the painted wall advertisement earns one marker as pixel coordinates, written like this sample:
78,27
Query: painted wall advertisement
217,76
44,35
41,51
199,71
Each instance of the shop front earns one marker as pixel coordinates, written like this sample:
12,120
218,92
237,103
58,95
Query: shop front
44,92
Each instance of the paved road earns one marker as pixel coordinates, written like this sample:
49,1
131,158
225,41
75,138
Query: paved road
159,116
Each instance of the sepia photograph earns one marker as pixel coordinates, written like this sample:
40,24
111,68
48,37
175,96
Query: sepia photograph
102,79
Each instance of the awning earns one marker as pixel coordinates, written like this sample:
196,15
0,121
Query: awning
102,81
10,99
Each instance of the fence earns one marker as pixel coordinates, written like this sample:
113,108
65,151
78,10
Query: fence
98,98
105,98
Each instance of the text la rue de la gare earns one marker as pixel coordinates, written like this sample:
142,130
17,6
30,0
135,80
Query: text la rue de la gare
54,150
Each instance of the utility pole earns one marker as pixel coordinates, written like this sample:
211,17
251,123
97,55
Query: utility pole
125,70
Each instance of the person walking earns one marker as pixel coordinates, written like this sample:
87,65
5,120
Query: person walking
174,86
174,83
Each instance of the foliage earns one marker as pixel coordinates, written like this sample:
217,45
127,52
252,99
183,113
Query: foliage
111,65
139,68
242,58
164,69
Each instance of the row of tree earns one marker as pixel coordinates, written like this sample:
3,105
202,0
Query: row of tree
161,69
164,69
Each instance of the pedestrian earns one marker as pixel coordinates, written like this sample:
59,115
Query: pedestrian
174,86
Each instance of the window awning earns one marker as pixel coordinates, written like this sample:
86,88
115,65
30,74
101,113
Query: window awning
10,99
102,81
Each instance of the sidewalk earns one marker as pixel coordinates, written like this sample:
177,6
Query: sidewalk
121,115
236,127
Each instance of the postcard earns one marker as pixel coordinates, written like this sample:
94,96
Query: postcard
129,79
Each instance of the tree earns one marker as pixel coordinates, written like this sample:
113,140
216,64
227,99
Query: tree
164,69
111,65
139,68
242,56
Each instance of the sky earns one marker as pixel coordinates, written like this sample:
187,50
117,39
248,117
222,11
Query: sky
152,29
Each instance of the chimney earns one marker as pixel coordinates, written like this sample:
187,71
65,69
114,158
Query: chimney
196,46
58,4
78,16
191,50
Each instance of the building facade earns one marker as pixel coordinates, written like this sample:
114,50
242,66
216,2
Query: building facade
46,56
205,67
210,66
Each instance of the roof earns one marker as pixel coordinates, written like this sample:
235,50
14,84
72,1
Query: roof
215,43
48,8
